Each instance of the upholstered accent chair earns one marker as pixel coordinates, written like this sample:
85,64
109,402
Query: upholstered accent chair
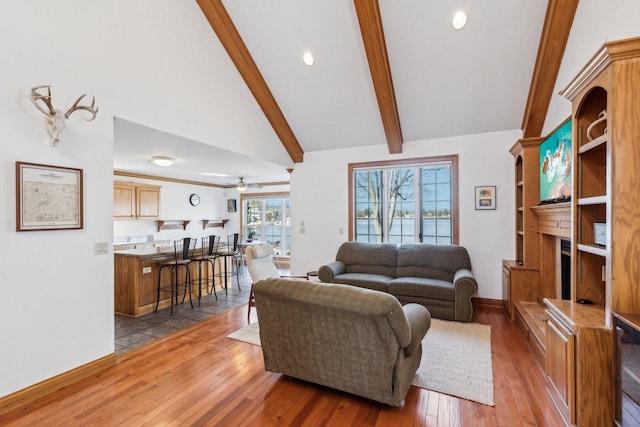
348,338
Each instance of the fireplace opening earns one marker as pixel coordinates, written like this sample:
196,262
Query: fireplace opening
565,269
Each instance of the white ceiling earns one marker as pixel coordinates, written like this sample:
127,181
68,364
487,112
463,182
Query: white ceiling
446,82
135,144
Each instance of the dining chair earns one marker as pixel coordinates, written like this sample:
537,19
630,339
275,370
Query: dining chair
260,265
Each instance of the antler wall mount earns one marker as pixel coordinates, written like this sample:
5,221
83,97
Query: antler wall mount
55,119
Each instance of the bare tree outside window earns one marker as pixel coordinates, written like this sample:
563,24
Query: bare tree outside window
408,204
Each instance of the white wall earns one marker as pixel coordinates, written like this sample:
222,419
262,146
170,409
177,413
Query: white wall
57,294
143,60
594,24
174,205
319,195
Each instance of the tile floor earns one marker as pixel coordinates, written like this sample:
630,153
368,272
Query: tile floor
132,332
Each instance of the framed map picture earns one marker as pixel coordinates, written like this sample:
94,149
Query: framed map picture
486,197
48,197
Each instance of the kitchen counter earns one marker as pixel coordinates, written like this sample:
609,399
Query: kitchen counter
121,246
136,279
154,251
145,252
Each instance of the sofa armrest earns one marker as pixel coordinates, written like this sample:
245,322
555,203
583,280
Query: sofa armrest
465,286
419,322
327,272
465,282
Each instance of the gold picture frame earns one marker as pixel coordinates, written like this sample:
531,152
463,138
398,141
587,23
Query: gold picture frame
48,197
486,197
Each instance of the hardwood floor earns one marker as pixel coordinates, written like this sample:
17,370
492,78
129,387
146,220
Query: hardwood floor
199,377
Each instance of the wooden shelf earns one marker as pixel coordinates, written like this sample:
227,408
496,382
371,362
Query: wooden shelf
595,250
167,224
595,200
603,139
208,223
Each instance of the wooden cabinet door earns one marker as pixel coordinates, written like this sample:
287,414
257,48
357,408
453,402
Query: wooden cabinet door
148,281
124,201
148,202
560,367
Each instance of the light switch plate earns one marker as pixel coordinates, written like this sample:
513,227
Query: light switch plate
101,248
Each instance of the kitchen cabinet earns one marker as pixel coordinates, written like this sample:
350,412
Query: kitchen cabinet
135,201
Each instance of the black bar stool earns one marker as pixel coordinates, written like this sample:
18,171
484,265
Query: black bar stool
182,255
231,251
208,253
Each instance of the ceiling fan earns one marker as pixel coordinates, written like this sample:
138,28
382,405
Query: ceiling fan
242,186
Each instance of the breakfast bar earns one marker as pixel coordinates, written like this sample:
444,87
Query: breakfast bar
136,279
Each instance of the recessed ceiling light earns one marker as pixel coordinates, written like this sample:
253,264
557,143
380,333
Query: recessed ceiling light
459,20
307,58
162,160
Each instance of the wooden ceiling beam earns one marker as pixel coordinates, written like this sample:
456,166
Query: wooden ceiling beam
228,35
555,32
370,21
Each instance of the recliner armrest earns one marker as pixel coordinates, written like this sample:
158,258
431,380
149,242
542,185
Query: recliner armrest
419,322
327,272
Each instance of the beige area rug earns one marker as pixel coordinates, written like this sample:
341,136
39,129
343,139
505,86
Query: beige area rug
456,359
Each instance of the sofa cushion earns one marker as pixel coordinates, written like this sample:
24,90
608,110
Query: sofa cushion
420,287
362,257
376,282
434,261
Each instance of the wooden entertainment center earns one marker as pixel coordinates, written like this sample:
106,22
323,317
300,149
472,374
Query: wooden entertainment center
573,338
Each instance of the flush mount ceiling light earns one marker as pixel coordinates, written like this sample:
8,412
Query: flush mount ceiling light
162,160
307,58
459,20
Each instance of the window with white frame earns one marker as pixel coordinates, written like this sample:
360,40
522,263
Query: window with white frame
406,201
268,218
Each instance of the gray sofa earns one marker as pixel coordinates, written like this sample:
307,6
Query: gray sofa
437,276
351,339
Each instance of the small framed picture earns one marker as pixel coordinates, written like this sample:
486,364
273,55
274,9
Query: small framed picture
231,205
48,197
486,197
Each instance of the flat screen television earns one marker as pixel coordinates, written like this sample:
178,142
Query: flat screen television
555,165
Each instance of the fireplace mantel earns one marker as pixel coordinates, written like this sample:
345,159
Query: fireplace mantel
554,219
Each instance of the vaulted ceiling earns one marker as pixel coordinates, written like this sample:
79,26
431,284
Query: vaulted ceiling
388,72
553,37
